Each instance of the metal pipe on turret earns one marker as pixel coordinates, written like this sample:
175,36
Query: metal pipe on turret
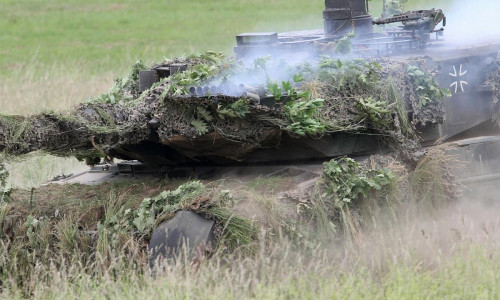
254,97
246,88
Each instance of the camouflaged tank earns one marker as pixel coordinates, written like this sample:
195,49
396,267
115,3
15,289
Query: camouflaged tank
284,105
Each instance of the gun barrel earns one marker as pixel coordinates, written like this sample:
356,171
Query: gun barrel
397,18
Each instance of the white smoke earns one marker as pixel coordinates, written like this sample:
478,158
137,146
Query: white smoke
472,22
468,23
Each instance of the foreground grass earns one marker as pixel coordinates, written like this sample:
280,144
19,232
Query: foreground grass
451,253
411,250
472,275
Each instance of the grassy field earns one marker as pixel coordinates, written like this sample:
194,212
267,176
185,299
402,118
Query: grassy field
110,35
54,54
404,252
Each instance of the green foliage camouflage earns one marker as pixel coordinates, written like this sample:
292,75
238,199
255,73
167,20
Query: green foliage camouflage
493,83
237,109
202,67
345,181
322,96
426,87
302,115
164,204
124,89
233,230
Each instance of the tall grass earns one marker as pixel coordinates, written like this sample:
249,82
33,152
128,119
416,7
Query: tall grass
453,256
55,87
38,168
402,247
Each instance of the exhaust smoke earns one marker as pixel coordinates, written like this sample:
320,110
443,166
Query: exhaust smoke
472,22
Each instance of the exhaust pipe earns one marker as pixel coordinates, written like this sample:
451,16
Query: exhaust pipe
199,91
249,89
192,91
254,97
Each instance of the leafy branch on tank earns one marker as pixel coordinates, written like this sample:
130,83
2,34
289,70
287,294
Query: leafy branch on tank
124,89
492,83
346,181
426,87
234,230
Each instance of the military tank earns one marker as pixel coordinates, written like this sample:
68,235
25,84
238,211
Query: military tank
468,127
463,69
464,118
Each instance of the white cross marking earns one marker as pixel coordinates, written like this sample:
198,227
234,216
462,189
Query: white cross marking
457,75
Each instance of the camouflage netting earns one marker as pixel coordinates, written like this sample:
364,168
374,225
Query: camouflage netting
387,98
493,83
